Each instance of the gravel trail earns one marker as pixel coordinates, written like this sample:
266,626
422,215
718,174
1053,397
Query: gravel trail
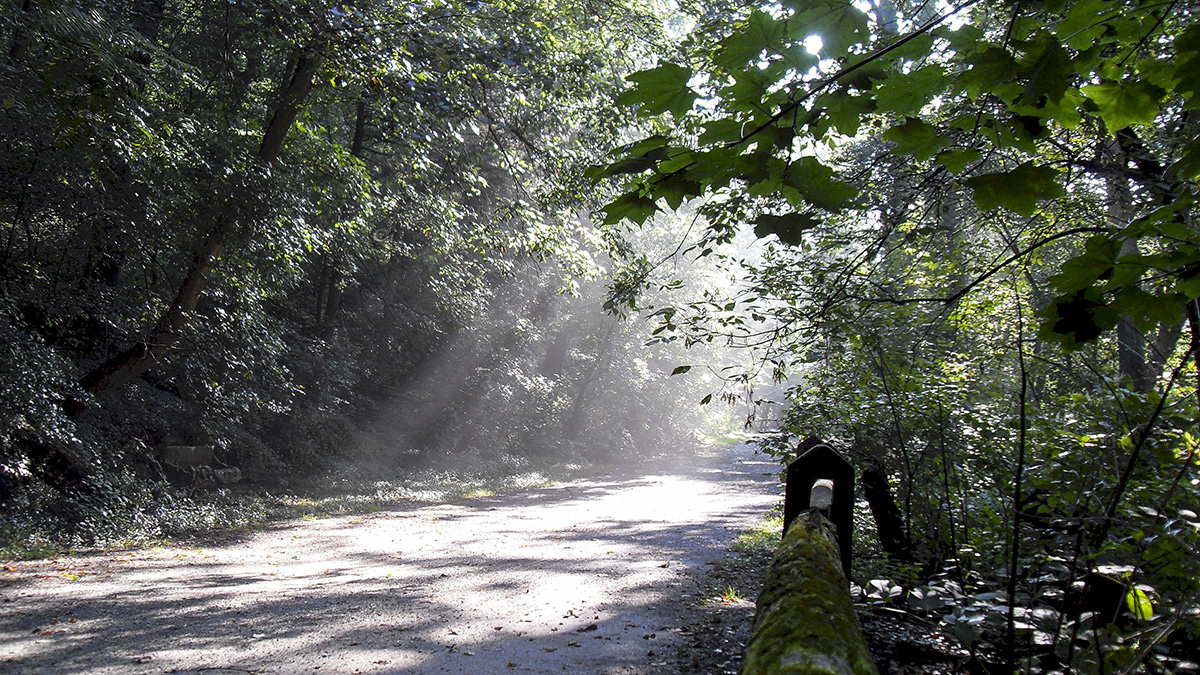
592,576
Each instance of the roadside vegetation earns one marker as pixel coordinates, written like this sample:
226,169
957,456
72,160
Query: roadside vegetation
978,281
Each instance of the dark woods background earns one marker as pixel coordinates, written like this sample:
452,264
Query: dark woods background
304,234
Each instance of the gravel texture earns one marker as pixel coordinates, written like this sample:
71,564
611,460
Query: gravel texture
605,575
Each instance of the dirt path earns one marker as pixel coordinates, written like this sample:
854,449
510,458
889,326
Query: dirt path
593,576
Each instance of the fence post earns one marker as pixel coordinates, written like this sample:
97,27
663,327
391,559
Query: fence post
818,461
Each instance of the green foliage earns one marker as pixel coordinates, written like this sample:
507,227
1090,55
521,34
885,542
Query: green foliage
660,90
943,195
1033,93
413,250
1018,190
764,537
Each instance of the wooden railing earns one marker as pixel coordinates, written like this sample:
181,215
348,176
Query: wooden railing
805,620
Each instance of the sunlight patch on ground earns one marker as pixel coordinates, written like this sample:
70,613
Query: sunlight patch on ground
582,577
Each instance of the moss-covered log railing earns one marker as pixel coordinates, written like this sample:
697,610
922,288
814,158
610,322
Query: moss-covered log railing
805,622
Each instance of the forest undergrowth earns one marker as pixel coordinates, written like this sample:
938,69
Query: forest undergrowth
143,514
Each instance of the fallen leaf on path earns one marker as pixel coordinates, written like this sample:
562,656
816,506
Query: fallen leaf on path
588,628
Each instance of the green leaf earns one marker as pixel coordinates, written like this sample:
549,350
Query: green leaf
1076,319
917,138
915,49
1139,604
845,112
789,227
749,90
723,130
1187,167
816,184
642,147
1051,75
659,90
638,157
1121,104
906,93
1094,264
679,370
1161,72
966,40
1187,48
674,190
1064,111
706,400
957,160
989,69
1148,309
1084,23
762,32
1189,82
840,24
630,205
1018,190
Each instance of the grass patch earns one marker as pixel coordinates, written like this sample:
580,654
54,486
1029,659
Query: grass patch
28,550
724,438
763,537
164,515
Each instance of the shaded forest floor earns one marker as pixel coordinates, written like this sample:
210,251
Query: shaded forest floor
149,513
651,568
595,575
902,643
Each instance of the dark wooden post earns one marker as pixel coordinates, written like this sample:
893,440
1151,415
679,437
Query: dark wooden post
818,461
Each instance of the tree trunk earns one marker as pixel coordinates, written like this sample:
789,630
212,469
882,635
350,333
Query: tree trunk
889,522
133,362
575,418
20,40
1131,344
556,353
333,304
333,282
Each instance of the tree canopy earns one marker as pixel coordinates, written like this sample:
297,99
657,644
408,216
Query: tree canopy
1021,107
293,232
977,259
